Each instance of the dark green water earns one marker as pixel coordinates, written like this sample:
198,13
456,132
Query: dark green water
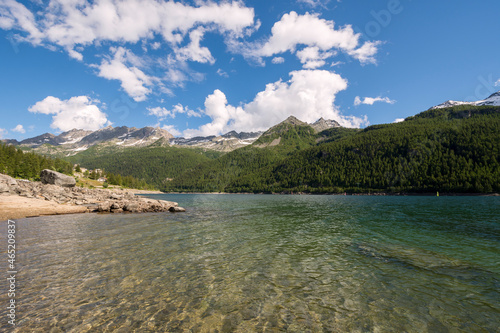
257,263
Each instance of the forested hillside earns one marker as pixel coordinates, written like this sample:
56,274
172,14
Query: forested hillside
450,150
16,163
272,147
155,165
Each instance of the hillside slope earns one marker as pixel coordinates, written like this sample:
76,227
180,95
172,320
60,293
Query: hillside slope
155,164
449,149
274,145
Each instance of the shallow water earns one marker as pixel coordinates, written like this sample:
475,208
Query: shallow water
263,263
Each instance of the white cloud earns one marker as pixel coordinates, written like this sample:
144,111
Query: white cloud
171,129
3,132
14,15
75,25
121,68
365,54
19,129
497,84
308,95
312,58
77,112
371,100
193,51
220,72
314,3
162,113
399,120
156,45
278,60
319,36
70,23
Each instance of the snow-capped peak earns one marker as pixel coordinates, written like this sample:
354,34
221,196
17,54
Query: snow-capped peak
493,100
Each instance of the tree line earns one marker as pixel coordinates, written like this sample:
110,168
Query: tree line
19,164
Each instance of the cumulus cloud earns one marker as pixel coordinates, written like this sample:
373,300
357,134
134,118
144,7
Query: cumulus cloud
19,129
278,60
399,120
71,23
76,25
308,95
121,67
171,129
162,113
78,112
312,57
497,84
371,100
3,132
193,51
319,37
14,15
365,54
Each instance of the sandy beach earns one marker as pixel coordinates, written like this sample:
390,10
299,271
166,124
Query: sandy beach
16,207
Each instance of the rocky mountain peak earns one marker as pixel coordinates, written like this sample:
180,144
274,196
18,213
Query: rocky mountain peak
497,94
46,138
492,100
292,120
323,124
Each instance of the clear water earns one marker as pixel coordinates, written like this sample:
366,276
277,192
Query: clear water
263,263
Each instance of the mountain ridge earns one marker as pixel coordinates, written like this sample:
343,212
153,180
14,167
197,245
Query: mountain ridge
74,141
492,100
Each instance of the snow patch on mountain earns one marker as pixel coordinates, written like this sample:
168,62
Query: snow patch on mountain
493,100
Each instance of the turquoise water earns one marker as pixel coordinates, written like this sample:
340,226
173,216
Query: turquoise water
263,263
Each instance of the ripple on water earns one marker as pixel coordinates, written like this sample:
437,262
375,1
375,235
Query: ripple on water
265,263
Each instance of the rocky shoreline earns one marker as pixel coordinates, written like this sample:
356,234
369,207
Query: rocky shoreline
66,198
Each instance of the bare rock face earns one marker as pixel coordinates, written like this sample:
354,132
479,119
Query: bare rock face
7,185
56,178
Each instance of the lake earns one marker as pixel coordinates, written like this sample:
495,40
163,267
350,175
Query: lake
263,263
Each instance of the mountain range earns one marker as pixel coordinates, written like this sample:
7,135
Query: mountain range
72,142
453,147
493,100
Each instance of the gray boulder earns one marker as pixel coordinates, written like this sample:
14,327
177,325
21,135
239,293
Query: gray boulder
7,184
4,188
116,205
131,207
177,210
104,206
56,178
8,180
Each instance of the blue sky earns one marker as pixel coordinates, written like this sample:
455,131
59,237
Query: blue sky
208,67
